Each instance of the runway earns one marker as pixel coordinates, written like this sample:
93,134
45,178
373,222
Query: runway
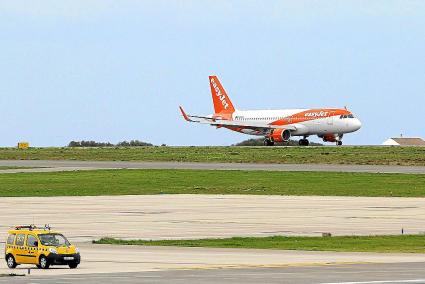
330,274
52,166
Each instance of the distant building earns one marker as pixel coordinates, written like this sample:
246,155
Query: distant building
404,141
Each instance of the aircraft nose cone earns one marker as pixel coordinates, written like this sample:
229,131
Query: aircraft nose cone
357,124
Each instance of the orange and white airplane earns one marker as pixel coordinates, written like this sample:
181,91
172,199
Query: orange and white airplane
330,124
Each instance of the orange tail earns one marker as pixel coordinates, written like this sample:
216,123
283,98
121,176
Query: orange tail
222,102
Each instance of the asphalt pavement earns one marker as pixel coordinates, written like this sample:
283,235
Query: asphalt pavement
401,273
50,165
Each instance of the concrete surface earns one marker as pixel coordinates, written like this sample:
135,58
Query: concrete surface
48,166
117,259
84,218
325,274
356,274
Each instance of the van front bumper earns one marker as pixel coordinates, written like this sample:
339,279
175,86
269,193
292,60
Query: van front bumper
64,259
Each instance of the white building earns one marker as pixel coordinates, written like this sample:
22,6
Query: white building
404,141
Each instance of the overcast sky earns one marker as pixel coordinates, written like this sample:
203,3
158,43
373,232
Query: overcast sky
117,70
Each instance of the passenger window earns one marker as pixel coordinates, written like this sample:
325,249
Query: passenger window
11,239
31,241
20,239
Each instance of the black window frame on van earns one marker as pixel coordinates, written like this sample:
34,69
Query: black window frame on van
16,240
35,240
13,240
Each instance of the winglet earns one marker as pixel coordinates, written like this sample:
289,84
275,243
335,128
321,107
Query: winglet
184,114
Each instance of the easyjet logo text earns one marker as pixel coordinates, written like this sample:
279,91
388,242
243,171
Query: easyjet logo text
316,114
220,96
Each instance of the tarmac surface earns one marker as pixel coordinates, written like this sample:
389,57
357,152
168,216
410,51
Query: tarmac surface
121,258
51,166
329,274
181,216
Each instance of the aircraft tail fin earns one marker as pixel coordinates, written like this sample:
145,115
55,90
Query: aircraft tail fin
221,101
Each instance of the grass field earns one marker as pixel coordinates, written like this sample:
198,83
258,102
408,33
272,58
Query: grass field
136,182
406,243
364,155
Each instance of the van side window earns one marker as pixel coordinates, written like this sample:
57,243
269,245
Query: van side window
11,239
20,239
31,241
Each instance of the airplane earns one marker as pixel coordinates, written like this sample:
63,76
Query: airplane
330,124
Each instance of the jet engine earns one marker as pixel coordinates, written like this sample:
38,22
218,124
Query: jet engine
280,135
332,137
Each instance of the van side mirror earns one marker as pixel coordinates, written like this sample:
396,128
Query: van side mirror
36,243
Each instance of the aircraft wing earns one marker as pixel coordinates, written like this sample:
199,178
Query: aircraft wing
233,123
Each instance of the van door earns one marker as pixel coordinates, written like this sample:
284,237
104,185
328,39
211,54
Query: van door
19,251
31,249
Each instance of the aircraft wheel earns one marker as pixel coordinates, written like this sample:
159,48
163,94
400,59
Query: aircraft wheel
268,142
303,142
339,143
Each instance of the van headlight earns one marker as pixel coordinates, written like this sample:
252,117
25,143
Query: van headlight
52,250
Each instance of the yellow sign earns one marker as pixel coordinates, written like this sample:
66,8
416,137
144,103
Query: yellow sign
23,145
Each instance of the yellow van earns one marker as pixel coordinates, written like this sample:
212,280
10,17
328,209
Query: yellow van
39,246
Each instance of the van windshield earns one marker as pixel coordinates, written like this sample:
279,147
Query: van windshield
57,240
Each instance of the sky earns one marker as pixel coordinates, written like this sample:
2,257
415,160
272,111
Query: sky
118,70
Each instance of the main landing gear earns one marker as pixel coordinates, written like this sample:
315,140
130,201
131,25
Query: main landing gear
339,143
303,142
268,142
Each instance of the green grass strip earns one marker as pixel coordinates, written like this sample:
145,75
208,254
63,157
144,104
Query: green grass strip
362,155
384,244
139,182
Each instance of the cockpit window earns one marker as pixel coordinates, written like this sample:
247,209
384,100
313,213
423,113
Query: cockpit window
346,116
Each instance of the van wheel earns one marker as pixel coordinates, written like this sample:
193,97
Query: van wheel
11,263
44,263
38,266
73,265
